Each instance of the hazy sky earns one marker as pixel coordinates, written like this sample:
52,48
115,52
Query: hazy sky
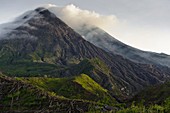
144,24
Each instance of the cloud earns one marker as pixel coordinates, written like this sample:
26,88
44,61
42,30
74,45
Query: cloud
76,17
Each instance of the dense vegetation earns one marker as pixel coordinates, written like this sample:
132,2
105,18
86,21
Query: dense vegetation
151,108
154,99
30,94
78,87
154,94
19,96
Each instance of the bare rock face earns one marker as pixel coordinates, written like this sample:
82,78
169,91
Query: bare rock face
44,44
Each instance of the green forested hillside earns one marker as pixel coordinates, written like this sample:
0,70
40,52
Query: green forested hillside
78,87
154,94
17,95
41,94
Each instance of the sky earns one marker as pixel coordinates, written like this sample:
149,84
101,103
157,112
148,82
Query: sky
144,24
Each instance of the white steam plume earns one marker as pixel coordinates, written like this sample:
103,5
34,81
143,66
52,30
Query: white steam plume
76,17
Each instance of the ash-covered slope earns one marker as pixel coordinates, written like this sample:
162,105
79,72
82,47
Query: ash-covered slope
105,41
43,44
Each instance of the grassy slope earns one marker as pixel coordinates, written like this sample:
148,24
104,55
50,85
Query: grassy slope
27,67
79,87
88,65
30,69
19,96
92,67
100,73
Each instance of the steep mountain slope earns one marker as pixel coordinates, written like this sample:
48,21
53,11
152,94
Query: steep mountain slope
43,45
87,27
105,41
